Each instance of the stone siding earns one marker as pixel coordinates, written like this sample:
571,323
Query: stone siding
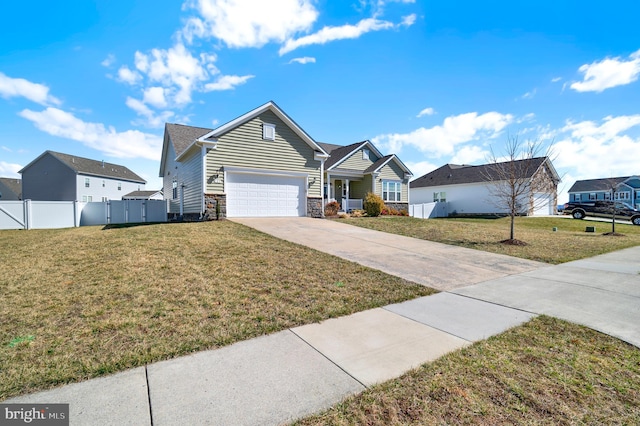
314,207
397,206
215,207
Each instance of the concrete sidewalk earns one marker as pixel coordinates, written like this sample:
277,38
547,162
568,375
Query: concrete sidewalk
284,376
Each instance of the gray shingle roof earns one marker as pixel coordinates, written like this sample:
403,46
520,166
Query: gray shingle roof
596,184
182,136
142,193
97,168
377,164
14,185
454,174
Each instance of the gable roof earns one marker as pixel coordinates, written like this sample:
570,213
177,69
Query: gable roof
339,153
454,174
86,166
182,136
596,184
14,185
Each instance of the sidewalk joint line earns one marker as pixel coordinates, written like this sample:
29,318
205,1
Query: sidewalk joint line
146,376
426,325
329,359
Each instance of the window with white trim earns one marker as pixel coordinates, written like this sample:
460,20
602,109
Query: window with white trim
391,190
365,154
268,132
607,195
592,196
624,195
119,186
87,183
440,197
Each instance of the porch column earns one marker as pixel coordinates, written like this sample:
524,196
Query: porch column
346,183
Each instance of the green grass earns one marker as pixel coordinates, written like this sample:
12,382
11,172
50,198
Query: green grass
570,242
82,302
546,372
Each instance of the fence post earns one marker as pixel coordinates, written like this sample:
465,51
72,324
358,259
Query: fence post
27,214
76,214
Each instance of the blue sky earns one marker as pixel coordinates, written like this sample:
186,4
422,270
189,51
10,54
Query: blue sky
435,82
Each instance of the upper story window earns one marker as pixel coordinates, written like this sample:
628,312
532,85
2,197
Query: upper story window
103,183
365,154
268,131
87,183
391,190
119,186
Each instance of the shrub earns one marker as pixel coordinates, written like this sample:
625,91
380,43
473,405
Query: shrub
373,204
331,209
357,213
343,215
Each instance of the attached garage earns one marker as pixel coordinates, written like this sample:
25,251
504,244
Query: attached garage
265,195
542,204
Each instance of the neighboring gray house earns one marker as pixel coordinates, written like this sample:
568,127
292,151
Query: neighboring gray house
259,164
10,189
144,195
627,189
354,170
466,190
54,176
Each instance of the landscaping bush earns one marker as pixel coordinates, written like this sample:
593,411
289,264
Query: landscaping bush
357,213
331,209
373,204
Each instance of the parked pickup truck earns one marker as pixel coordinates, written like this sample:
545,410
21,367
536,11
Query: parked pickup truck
603,209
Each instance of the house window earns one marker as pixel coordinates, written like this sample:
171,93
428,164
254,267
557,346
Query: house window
105,199
87,182
622,195
607,195
87,199
439,197
174,187
592,196
391,191
576,197
104,183
84,198
268,132
119,186
365,154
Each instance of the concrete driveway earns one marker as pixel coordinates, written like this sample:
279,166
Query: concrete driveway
436,265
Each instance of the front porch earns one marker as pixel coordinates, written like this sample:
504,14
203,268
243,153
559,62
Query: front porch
348,192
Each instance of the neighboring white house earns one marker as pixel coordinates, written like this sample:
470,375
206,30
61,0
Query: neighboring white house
54,176
467,191
144,195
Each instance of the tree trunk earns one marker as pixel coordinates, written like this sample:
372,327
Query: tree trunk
513,219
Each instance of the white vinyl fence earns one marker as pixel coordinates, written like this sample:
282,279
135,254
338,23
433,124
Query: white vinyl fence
429,210
30,214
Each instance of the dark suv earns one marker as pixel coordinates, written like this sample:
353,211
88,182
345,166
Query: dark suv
603,209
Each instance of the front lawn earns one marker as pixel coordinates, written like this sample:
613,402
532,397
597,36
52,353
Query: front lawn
83,302
545,372
569,242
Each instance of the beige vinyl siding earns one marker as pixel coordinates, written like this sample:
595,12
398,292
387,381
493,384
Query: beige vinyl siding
244,147
358,189
190,173
355,161
391,171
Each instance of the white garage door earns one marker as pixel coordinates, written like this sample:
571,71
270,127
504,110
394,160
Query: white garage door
542,204
252,195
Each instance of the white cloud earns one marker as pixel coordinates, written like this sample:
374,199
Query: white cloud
426,111
127,144
556,79
109,60
176,69
590,150
530,95
608,73
227,82
249,23
421,168
151,119
470,154
128,76
155,96
19,87
9,169
442,140
328,34
409,20
303,60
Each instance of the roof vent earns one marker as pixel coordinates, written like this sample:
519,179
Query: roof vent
103,164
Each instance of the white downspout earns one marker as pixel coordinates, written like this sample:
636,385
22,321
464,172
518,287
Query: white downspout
204,178
346,210
322,185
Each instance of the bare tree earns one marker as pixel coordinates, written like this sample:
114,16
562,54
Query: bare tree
614,208
510,177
